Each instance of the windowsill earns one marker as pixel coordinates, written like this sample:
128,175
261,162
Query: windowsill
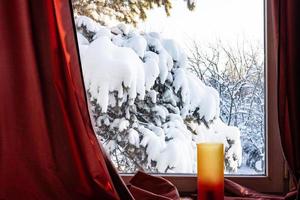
187,184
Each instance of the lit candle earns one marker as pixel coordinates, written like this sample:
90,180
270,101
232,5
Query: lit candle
210,164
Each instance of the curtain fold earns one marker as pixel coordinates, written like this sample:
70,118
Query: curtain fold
286,22
47,146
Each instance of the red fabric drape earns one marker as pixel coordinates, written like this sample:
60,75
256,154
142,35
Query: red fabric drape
286,22
47,146
146,187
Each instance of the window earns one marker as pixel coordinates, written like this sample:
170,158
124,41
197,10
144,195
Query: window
153,98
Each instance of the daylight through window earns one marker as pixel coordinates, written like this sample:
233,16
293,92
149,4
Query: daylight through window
161,78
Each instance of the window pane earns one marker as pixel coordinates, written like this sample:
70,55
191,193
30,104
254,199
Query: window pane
158,87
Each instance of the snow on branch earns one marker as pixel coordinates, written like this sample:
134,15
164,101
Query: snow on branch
149,109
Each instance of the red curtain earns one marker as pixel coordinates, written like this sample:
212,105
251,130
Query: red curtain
47,146
286,23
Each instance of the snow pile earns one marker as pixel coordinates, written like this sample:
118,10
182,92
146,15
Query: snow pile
108,68
220,132
150,111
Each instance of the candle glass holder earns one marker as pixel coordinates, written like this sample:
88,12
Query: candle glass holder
210,169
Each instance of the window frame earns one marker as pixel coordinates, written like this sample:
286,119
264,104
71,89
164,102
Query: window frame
276,179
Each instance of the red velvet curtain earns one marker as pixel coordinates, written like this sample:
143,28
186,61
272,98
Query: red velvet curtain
286,22
47,146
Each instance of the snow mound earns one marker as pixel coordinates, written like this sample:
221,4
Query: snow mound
87,22
108,68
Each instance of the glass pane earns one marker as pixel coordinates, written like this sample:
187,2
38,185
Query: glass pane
158,85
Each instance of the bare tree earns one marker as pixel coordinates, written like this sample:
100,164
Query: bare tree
238,74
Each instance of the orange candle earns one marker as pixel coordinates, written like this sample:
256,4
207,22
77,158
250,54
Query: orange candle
210,164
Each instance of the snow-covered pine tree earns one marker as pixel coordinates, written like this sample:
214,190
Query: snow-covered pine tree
149,110
127,11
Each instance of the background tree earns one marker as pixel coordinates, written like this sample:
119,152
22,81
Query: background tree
128,11
237,73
